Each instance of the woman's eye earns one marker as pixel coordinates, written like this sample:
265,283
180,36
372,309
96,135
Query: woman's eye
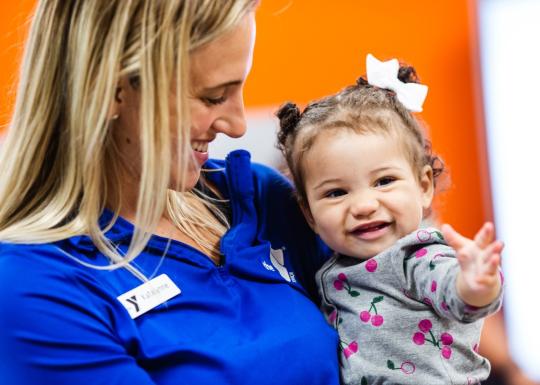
335,193
215,101
386,180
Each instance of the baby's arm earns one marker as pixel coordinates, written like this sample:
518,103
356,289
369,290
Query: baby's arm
478,282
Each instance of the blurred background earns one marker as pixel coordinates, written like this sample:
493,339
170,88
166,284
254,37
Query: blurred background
480,59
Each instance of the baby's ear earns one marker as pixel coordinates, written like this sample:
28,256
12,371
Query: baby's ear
427,186
304,206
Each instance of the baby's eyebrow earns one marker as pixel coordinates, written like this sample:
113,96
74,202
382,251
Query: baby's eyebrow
386,168
326,181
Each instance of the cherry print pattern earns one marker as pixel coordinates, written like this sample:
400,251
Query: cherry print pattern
406,367
376,319
445,339
426,236
348,349
432,263
343,283
371,265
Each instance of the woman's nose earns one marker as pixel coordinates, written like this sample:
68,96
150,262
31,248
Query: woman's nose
232,121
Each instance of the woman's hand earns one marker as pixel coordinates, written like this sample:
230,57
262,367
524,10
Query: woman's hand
479,281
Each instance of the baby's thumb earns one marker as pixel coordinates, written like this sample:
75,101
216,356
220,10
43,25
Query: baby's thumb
452,237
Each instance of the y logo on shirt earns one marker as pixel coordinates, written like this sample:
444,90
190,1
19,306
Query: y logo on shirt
278,260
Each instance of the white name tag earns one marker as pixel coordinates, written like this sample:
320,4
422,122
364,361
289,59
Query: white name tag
148,295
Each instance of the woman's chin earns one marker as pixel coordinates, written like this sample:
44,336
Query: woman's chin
190,181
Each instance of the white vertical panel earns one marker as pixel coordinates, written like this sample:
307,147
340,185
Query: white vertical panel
510,52
259,140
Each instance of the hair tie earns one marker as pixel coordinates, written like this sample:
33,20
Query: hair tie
289,115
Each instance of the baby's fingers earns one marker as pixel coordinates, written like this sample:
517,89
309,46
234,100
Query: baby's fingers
454,239
492,256
491,271
485,235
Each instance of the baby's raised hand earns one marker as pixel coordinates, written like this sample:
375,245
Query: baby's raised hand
478,282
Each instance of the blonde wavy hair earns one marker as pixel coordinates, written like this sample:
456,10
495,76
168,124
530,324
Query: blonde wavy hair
58,164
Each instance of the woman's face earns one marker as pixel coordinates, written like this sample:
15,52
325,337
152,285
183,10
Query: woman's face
218,71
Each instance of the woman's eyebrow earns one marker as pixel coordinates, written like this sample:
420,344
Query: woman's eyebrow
223,85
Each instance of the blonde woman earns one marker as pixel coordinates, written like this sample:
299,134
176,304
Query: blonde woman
126,256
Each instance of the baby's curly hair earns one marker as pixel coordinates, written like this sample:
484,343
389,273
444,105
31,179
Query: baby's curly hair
362,108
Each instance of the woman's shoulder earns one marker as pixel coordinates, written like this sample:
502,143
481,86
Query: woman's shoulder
32,271
238,167
29,258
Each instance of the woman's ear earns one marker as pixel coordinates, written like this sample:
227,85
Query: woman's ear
121,94
114,108
427,186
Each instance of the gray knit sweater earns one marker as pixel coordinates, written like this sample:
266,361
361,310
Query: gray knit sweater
399,318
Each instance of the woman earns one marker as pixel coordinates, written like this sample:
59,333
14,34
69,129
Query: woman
124,260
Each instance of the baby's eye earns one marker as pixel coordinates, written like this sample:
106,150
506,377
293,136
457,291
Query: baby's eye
335,193
385,180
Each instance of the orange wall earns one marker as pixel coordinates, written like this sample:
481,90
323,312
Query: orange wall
309,48
14,20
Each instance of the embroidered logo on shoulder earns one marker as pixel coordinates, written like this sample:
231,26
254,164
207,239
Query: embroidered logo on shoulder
278,260
268,267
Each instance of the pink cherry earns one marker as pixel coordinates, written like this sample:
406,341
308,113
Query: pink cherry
338,285
425,325
419,338
446,352
427,301
420,253
371,265
350,349
342,277
407,367
365,316
332,317
447,339
444,305
433,286
475,348
377,320
423,235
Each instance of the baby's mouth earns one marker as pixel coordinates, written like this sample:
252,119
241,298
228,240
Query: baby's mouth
370,227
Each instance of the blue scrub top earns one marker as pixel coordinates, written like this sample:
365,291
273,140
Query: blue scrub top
251,320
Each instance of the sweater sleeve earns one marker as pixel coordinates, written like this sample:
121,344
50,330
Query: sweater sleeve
430,276
59,329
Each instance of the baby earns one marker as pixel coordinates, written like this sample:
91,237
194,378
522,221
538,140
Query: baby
407,301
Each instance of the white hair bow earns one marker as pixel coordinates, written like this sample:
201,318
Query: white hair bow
385,75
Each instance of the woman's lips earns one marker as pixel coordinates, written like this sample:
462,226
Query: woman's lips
201,157
200,151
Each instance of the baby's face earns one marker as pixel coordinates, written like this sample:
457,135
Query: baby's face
362,192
